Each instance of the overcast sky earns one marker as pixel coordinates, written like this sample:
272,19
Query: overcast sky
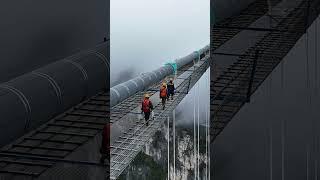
146,33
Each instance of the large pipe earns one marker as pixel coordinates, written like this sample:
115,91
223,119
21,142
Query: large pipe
34,98
124,90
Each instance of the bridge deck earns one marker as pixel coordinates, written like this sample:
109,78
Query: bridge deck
126,106
132,139
231,87
43,148
32,155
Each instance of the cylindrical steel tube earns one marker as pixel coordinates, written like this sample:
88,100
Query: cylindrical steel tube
126,89
34,98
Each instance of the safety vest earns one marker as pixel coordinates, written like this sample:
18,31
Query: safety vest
146,105
163,92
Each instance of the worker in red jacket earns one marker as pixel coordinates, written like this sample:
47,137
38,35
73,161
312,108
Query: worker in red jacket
105,145
146,108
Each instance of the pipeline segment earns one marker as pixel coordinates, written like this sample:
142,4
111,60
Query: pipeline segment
126,89
36,97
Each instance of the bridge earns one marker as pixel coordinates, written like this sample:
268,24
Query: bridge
277,31
267,30
267,35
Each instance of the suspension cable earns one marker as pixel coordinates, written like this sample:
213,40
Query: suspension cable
271,127
198,114
208,124
316,55
174,143
307,163
208,114
316,141
194,133
314,124
307,52
168,119
308,84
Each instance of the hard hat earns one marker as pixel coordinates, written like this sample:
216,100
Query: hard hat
164,84
147,95
171,79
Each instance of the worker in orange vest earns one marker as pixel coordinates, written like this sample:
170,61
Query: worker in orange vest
163,94
105,145
146,108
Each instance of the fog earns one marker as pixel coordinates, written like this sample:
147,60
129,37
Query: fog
197,100
144,34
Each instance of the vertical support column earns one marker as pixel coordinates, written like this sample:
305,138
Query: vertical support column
174,143
168,119
316,55
194,134
271,151
283,125
212,22
307,163
208,126
309,148
316,138
207,162
198,135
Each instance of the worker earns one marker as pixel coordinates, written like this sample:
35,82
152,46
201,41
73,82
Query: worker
146,108
105,145
171,89
163,94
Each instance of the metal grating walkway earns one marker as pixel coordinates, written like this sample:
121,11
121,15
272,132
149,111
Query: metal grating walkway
234,86
221,34
131,142
128,105
42,148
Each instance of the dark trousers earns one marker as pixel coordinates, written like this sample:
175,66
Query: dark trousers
163,100
146,116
